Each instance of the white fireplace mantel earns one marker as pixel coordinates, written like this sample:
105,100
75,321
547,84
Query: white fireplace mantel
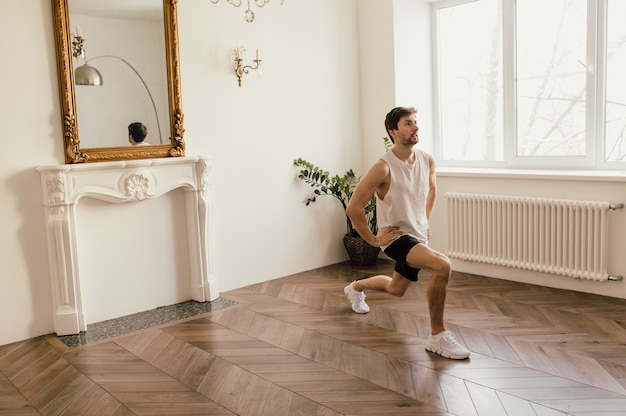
118,182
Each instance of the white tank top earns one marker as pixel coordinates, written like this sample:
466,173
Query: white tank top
404,205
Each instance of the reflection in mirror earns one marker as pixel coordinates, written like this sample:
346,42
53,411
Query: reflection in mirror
120,74
118,64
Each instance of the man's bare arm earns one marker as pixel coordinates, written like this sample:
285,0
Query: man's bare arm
432,192
373,180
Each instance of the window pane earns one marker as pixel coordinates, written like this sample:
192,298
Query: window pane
551,77
470,80
615,89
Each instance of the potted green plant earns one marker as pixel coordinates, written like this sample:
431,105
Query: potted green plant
342,188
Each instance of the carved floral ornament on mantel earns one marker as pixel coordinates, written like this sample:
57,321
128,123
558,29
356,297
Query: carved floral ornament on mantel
137,186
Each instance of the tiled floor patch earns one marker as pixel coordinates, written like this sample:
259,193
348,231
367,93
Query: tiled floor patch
159,316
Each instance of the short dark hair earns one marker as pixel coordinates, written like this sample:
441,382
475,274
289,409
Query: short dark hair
138,131
394,116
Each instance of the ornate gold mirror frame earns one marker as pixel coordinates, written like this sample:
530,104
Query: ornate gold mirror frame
73,151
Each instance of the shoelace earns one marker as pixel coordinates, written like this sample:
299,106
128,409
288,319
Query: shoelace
448,336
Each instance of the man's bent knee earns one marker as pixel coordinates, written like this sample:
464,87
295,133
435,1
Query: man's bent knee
398,285
446,266
396,291
442,267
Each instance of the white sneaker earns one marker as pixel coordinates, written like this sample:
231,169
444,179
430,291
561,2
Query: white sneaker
357,299
445,345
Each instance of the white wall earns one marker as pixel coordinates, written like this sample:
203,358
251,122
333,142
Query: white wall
31,135
377,68
395,68
305,104
412,52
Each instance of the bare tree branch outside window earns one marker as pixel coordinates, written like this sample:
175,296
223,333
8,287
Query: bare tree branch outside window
551,76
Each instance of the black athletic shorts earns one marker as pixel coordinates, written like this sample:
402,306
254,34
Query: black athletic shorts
398,251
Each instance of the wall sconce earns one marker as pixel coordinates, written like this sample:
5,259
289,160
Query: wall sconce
78,43
240,68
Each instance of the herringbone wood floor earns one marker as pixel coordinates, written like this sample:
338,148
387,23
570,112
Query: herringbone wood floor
292,346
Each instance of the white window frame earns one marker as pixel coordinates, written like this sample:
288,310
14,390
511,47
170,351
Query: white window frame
595,96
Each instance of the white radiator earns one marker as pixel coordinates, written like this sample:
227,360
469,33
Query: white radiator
558,236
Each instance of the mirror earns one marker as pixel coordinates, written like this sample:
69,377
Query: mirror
144,94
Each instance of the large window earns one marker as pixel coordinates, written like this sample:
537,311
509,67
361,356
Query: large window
531,83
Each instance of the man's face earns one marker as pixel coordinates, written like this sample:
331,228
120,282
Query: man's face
406,134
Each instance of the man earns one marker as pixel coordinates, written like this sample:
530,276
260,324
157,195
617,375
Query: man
137,133
405,184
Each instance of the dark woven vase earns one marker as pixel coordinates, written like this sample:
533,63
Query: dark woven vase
361,253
